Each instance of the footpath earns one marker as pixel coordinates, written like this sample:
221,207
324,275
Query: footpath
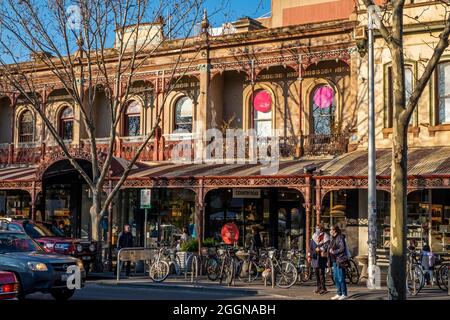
304,291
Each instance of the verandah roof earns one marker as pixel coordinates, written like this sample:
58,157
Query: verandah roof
425,161
173,170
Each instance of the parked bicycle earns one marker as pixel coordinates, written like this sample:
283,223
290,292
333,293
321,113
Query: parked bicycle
415,278
284,271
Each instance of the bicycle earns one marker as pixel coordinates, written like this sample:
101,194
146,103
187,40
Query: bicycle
247,269
415,278
284,271
227,266
159,269
442,277
351,273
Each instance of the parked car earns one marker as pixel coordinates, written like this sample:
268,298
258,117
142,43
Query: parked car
9,287
52,239
35,269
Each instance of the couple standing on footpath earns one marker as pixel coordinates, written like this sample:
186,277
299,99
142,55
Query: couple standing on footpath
329,252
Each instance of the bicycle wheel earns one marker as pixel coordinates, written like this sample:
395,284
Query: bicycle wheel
415,280
304,275
442,277
212,269
286,275
352,272
230,272
247,271
159,271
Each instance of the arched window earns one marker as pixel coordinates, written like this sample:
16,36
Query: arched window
262,113
132,126
66,123
323,108
184,110
26,127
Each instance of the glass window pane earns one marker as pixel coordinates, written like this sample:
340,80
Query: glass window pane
444,93
263,128
134,125
183,114
323,113
67,133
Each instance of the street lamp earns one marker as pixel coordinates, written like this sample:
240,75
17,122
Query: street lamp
373,20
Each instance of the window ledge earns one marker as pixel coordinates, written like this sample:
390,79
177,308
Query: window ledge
414,130
442,127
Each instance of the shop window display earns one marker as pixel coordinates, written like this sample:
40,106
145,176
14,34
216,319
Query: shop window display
15,203
275,213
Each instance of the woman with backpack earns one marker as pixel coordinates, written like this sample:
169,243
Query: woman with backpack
339,261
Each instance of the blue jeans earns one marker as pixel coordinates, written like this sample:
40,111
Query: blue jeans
339,279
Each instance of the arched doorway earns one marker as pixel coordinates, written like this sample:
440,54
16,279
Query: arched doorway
67,198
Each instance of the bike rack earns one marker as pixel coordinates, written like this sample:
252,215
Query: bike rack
272,274
133,255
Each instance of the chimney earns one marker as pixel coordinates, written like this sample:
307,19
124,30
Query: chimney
146,34
246,24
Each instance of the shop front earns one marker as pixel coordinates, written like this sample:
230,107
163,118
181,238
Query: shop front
172,210
15,204
277,213
66,199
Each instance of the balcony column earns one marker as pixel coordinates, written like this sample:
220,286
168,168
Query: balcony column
202,105
299,147
44,101
13,99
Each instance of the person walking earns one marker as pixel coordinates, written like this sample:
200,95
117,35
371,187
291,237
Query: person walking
255,241
339,261
125,241
317,257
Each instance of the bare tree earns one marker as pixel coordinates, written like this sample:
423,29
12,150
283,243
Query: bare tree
71,42
391,29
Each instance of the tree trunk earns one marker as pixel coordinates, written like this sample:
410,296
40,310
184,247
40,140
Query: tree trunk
95,229
397,269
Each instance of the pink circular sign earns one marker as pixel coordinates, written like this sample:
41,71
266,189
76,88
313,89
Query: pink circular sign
262,101
323,97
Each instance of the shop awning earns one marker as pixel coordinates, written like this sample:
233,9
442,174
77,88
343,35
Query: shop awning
172,170
17,174
431,161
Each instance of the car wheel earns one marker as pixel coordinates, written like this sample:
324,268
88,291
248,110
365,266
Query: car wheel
62,294
20,295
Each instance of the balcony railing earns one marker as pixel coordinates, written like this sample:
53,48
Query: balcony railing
162,149
325,144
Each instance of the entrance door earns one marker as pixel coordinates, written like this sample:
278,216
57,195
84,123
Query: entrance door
66,199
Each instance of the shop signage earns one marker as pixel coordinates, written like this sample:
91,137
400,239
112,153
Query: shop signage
146,199
247,193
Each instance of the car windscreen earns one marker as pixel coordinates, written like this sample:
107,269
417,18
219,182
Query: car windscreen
55,230
36,231
17,242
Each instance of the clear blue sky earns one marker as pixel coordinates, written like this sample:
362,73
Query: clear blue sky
231,10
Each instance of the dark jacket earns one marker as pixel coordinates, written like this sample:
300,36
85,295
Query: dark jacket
125,240
337,250
317,261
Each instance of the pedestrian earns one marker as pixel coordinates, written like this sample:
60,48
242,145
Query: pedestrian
125,241
185,237
255,241
317,257
339,261
427,260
